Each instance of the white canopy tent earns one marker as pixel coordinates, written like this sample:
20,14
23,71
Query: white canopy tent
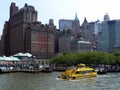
23,55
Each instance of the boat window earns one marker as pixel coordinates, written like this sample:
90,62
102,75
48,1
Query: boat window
83,72
77,72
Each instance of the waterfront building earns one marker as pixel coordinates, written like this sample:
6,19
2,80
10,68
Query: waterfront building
19,21
109,36
40,40
9,63
23,33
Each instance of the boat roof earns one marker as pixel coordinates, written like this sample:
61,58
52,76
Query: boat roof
84,69
81,65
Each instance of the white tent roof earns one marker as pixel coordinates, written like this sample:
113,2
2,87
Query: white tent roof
23,54
9,58
28,54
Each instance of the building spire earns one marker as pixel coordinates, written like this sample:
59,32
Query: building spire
85,20
106,17
76,18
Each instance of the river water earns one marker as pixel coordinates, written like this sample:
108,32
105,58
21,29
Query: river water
49,81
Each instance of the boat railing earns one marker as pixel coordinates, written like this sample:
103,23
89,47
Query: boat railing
72,67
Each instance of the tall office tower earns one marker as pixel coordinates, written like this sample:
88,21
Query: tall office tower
109,36
94,27
76,26
65,24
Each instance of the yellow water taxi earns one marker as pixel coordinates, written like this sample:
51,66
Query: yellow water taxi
81,71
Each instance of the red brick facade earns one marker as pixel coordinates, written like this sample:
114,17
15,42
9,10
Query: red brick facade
40,41
26,34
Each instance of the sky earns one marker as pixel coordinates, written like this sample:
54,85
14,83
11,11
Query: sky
64,9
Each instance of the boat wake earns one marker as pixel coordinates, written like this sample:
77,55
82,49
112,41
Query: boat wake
76,80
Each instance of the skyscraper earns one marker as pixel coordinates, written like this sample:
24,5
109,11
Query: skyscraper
76,26
109,36
73,25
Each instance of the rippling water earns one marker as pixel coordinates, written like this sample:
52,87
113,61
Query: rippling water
49,81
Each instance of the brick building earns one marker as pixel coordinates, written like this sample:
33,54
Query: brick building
40,40
23,33
19,20
5,40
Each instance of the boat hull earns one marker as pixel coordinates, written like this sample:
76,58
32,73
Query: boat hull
71,75
81,71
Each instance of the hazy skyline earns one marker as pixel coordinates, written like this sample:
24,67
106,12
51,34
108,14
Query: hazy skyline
65,9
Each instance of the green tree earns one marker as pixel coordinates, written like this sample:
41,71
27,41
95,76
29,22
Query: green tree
90,58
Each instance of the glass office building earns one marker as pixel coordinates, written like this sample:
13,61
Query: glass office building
109,37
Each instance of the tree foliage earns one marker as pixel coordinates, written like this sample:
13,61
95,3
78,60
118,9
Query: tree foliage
95,58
